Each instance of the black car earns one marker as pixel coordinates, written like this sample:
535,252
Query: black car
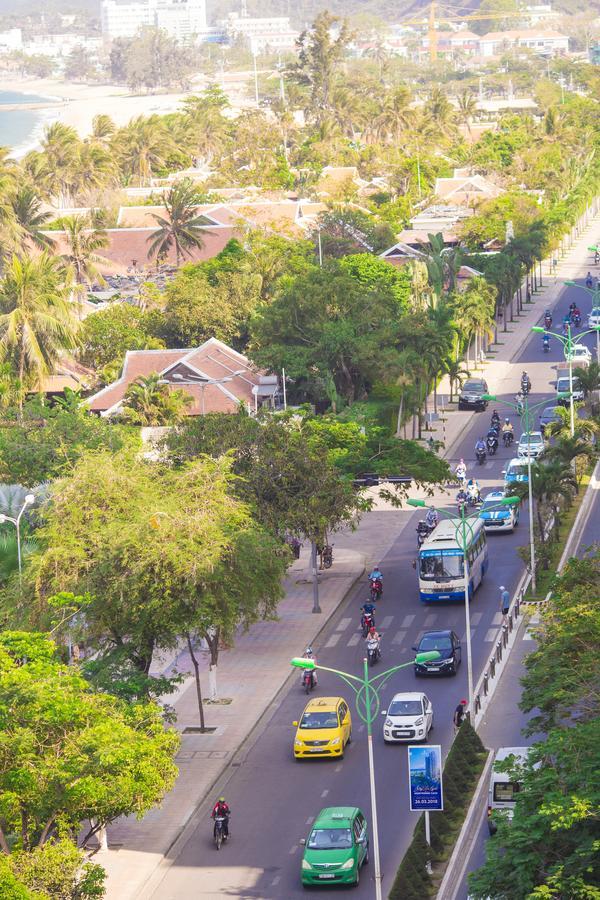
471,395
447,645
548,416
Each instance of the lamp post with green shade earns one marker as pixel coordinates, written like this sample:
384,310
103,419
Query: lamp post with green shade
463,531
568,343
366,690
594,292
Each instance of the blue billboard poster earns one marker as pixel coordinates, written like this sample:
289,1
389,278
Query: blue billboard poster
425,778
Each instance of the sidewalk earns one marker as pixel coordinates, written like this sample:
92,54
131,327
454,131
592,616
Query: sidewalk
254,671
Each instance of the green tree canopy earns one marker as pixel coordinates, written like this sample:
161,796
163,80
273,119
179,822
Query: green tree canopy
108,334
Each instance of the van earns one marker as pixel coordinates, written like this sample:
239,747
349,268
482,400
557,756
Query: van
503,791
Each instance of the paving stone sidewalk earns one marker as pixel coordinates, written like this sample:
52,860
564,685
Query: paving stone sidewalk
253,672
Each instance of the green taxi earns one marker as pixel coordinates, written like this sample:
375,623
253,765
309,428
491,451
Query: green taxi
336,848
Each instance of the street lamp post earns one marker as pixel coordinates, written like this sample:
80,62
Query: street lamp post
29,499
462,541
595,295
367,706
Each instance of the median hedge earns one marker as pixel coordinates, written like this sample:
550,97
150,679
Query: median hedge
462,769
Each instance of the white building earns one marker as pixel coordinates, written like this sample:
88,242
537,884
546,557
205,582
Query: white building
59,46
11,40
273,33
548,43
182,19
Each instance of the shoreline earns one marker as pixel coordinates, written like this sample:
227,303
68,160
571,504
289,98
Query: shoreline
76,105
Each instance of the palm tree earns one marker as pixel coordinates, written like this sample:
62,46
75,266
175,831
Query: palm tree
467,107
585,429
82,243
103,128
454,370
182,228
94,169
396,115
60,146
36,321
589,378
30,218
551,482
142,147
441,111
150,402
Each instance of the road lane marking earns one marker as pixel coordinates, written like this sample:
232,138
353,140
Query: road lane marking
343,623
497,620
430,620
333,640
398,637
276,880
490,635
293,850
476,618
338,768
354,640
407,621
310,820
361,727
325,792
385,623
489,464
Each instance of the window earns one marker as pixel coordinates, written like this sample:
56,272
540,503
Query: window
436,566
506,791
319,720
405,708
356,829
343,709
330,839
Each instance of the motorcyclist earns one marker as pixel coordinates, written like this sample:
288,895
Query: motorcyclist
589,280
480,447
548,318
222,809
376,580
546,341
576,315
432,517
492,439
566,323
520,401
461,471
473,492
367,609
373,640
495,418
461,498
507,427
309,654
525,382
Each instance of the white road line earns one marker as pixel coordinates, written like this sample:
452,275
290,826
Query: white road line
333,640
476,618
310,820
293,849
361,727
497,620
338,768
343,623
407,621
354,640
325,792
490,634
398,637
276,880
489,464
431,619
385,623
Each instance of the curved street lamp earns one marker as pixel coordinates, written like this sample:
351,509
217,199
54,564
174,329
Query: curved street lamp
29,499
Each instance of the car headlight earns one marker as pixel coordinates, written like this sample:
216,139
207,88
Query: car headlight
349,864
306,864
419,721
388,723
297,743
335,741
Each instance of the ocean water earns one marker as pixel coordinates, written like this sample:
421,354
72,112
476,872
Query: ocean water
20,128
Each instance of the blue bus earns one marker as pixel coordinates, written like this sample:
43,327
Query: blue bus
441,561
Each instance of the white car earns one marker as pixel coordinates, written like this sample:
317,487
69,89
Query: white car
408,718
580,355
496,517
594,317
531,443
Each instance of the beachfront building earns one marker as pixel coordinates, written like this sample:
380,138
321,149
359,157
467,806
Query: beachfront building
273,33
182,19
547,43
11,40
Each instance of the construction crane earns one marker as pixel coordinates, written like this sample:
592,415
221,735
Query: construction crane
433,20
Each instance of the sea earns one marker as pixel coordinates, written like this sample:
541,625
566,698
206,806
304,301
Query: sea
21,129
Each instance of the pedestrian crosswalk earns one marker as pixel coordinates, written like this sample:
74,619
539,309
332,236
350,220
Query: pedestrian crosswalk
399,630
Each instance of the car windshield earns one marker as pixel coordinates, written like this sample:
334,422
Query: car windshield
330,839
517,471
550,413
435,642
534,438
319,720
405,708
437,565
473,386
492,506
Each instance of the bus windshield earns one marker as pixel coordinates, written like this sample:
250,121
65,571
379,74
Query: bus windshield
438,565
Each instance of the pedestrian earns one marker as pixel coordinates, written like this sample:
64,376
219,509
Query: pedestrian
459,714
528,295
504,603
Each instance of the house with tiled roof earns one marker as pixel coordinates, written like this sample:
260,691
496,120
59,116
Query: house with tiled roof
217,378
465,189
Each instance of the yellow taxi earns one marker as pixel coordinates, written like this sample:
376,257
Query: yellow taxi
324,729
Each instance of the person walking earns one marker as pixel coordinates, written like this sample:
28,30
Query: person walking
504,603
459,715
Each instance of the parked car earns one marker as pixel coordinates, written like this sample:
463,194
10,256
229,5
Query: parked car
548,416
409,717
472,393
324,729
531,443
447,645
336,848
594,317
496,517
516,471
579,355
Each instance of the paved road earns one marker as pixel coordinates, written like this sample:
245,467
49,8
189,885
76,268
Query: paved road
274,799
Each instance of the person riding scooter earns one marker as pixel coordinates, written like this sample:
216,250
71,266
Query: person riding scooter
546,342
547,319
473,492
508,432
525,383
491,441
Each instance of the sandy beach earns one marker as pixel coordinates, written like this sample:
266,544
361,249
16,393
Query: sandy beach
78,104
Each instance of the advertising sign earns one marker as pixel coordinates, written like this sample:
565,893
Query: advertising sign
425,778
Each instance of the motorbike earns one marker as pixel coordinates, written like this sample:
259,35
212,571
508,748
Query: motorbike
546,344
480,456
525,386
373,651
589,283
495,422
507,438
473,496
462,502
327,556
376,589
491,444
596,258
547,321
219,831
576,320
308,680
367,621
423,532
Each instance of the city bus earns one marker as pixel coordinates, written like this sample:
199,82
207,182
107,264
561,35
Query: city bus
440,563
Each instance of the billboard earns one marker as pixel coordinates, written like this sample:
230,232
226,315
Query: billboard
425,777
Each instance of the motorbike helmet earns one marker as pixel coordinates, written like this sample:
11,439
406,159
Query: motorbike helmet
309,651
372,630
507,420
221,799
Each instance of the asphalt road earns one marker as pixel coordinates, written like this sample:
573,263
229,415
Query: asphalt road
273,798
